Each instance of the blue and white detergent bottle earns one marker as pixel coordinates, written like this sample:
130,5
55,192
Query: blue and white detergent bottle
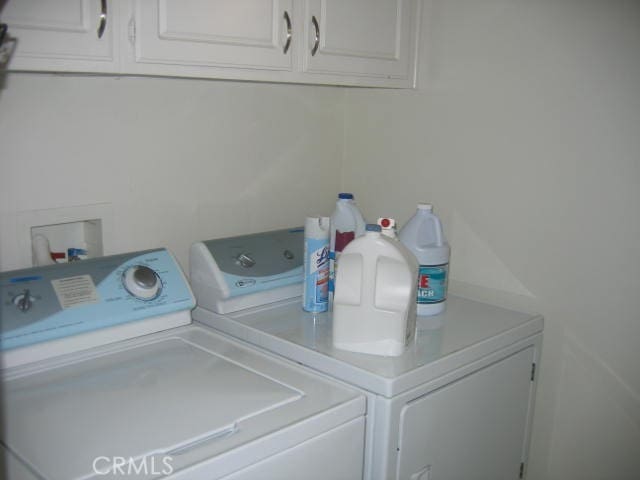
315,296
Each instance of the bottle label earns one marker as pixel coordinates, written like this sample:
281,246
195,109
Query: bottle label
319,259
343,239
322,285
432,283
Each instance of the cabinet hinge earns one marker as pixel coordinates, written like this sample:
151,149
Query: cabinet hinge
132,31
521,470
533,371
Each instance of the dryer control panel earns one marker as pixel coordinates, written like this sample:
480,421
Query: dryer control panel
42,304
235,273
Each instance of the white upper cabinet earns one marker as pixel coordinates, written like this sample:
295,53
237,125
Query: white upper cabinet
62,35
338,42
211,38
365,39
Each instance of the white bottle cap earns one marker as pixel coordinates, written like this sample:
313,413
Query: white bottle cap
317,227
425,206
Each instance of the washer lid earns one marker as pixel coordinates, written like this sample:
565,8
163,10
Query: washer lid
186,396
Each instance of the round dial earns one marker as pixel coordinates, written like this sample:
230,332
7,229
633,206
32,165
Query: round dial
23,301
142,282
245,260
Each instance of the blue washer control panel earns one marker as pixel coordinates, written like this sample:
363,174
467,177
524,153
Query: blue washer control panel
47,303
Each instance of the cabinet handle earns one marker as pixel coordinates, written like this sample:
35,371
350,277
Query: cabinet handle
317,37
103,18
287,43
3,32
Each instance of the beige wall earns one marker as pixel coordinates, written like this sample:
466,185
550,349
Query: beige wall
525,134
171,161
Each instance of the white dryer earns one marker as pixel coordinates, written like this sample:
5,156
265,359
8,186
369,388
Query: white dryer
456,405
106,378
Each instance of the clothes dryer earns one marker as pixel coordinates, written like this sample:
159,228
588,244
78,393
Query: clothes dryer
457,404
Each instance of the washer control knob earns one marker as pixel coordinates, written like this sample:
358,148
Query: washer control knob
142,282
23,301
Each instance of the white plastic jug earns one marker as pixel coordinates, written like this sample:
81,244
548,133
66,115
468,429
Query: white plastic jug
374,307
346,225
346,222
423,235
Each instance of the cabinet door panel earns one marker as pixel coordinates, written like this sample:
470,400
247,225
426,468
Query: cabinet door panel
60,35
352,29
224,33
372,38
244,23
472,428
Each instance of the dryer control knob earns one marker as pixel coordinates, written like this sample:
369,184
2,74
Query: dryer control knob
142,282
245,260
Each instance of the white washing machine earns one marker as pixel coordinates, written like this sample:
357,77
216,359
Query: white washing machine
105,377
456,405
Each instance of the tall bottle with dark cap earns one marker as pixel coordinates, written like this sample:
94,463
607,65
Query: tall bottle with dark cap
346,224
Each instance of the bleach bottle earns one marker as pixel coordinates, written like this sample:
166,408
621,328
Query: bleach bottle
374,308
346,224
315,295
423,235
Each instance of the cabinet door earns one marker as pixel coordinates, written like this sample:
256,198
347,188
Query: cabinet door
370,39
62,34
204,37
473,428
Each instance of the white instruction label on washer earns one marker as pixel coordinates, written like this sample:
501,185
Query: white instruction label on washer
74,291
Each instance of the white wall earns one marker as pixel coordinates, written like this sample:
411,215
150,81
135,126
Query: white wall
170,161
525,134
